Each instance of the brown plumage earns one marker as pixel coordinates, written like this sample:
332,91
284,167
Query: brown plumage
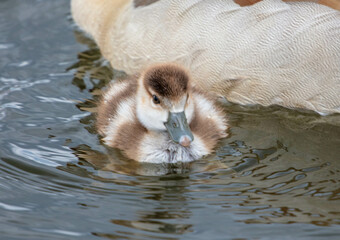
168,81
210,132
130,119
108,108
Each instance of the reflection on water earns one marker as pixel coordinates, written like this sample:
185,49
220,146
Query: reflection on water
59,181
278,166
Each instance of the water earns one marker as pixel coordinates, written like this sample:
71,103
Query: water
275,177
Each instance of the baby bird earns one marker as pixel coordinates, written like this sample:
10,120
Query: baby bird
159,117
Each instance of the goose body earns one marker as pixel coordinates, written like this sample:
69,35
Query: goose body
159,117
272,52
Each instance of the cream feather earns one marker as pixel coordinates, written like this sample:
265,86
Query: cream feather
268,53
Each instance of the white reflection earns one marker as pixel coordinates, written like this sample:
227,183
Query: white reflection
57,100
12,207
76,117
45,155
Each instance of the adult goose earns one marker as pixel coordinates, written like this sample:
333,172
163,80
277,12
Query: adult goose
271,52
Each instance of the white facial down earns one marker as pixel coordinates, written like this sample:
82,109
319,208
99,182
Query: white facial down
153,115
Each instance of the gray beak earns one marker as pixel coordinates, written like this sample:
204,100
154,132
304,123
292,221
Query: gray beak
178,129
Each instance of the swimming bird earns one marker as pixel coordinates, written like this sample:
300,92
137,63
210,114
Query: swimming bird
271,52
159,117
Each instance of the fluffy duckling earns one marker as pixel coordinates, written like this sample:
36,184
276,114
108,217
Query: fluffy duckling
160,117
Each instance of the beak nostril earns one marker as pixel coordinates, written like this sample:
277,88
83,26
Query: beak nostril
178,128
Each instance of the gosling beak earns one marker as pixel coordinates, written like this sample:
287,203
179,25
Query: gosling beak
178,129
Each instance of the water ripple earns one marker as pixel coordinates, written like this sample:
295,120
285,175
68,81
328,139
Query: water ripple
62,232
12,85
55,100
3,107
6,45
44,155
12,207
75,117
21,64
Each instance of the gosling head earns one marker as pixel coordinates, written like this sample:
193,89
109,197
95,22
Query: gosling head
164,102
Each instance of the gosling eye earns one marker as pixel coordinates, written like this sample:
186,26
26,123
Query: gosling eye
155,99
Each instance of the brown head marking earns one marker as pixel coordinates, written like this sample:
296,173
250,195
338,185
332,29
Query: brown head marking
169,81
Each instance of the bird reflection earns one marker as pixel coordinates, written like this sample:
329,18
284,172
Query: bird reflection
278,166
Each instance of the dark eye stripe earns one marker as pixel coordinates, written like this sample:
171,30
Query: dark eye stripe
155,99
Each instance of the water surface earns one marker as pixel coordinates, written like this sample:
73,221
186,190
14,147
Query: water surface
275,177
